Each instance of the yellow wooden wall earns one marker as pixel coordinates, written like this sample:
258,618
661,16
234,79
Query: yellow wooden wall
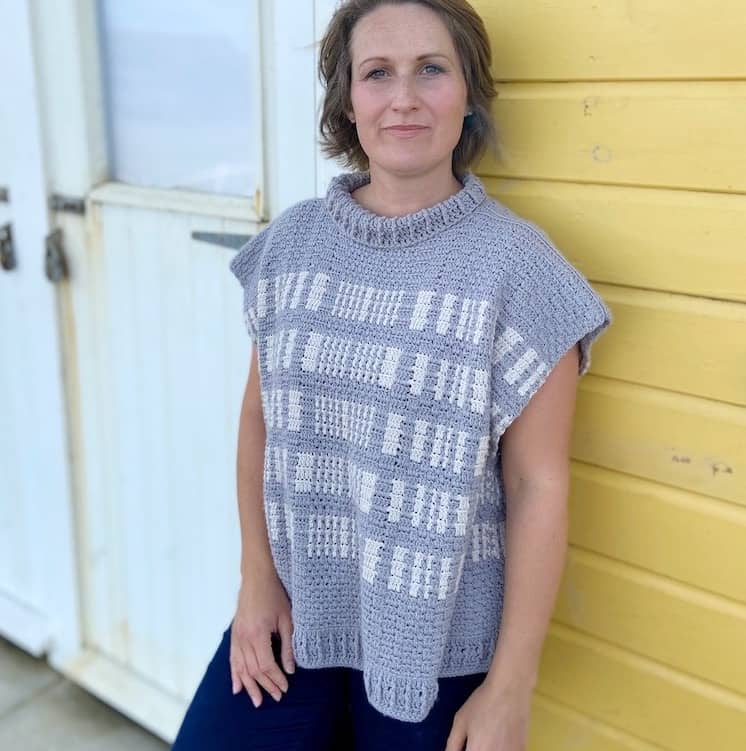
624,133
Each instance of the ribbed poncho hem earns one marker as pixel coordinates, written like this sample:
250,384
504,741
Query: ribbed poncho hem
399,696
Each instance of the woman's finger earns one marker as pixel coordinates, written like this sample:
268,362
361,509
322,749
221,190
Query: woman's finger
255,671
268,665
240,674
247,682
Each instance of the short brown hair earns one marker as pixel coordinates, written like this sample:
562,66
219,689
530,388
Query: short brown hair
339,135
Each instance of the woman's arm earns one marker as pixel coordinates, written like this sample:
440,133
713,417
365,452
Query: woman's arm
535,461
256,556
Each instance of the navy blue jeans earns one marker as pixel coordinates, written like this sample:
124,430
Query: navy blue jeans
324,709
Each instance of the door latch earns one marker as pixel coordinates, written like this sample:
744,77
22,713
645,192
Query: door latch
7,254
55,263
226,239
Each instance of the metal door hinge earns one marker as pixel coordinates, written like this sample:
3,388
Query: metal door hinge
55,263
68,204
7,254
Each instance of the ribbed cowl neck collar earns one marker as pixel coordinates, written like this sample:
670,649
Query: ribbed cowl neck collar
394,232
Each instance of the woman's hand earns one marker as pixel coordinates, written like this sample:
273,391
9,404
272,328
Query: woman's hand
263,608
492,719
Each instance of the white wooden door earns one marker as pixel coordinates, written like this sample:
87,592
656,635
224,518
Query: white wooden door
161,354
38,587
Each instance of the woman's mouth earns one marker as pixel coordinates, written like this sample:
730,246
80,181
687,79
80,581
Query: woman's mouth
406,130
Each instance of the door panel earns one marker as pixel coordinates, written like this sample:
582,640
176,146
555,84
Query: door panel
38,593
171,367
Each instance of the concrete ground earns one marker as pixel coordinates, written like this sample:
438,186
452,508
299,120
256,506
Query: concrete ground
40,710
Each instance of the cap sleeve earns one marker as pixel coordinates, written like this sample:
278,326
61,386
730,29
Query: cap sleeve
246,266
547,307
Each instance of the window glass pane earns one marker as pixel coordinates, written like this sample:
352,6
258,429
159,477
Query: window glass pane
181,83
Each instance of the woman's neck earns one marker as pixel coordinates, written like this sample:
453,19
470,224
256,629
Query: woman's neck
394,197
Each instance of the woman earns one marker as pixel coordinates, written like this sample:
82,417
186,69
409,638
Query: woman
418,346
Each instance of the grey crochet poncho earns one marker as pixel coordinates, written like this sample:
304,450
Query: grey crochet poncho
394,352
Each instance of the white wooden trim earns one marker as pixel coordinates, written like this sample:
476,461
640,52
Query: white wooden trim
288,92
121,688
69,80
169,199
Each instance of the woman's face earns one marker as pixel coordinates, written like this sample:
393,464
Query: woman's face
396,88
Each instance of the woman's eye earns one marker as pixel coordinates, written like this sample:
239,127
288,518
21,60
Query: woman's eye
436,69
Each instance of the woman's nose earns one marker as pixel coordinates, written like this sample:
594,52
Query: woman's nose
405,94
